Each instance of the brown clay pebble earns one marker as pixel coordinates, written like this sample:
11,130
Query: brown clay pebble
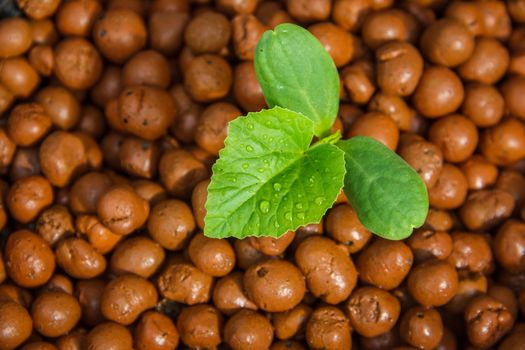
28,124
502,144
28,258
208,78
207,32
272,246
212,127
384,263
38,9
28,196
180,172
61,105
212,256
274,285
229,295
488,320
486,209
433,282
88,294
450,190
15,325
15,36
343,225
329,271
146,111
430,243
76,18
378,126
138,255
184,283
78,64
54,224
424,157
126,297
509,246
291,323
18,76
336,41
248,329
147,68
55,313
63,156
171,223
155,331
399,67
480,173
439,92
119,33
456,135
122,210
421,327
483,104
79,259
447,42
471,251
200,326
109,335
328,329
372,311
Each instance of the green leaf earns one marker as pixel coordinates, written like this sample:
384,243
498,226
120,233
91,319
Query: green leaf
388,195
296,72
268,180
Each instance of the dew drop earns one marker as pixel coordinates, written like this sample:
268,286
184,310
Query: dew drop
264,206
249,148
311,179
245,166
300,216
299,205
276,224
277,186
288,216
261,170
319,200
250,126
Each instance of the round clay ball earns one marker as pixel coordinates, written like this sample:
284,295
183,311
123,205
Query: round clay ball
126,297
328,328
55,313
215,257
274,285
122,210
372,311
439,92
248,329
200,326
119,33
15,325
24,271
78,64
433,283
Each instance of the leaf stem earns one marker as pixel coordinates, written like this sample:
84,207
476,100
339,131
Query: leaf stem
330,139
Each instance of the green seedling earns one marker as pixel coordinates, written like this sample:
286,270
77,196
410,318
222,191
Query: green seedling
271,178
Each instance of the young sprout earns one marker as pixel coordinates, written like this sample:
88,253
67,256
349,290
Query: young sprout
270,178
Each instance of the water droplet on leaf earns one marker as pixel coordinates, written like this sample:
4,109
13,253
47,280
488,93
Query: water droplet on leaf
277,186
300,216
264,206
288,215
245,166
299,205
319,200
249,148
